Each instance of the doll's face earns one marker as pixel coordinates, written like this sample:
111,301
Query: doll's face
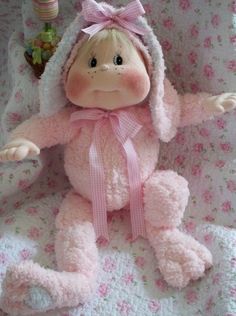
110,76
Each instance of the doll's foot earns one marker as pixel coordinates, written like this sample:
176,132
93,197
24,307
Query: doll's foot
23,295
180,257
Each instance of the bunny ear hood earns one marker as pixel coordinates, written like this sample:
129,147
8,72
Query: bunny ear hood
165,117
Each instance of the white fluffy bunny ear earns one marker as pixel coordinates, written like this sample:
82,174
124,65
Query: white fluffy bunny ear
165,116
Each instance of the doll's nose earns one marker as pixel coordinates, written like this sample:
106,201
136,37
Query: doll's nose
104,67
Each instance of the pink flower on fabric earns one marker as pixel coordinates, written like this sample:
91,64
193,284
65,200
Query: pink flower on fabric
220,123
124,307
207,42
233,7
14,117
9,220
233,39
204,132
226,207
184,4
32,210
196,170
168,23
209,218
18,96
180,138
23,184
166,45
194,31
128,278
177,69
109,265
195,87
34,233
192,57
226,147
49,248
220,163
140,262
103,290
191,296
190,226
25,254
179,160
231,185
154,306
198,148
215,20
233,292
208,72
207,196
3,258
232,65
208,238
161,284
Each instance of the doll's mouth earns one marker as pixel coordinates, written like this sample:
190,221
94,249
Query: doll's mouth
105,91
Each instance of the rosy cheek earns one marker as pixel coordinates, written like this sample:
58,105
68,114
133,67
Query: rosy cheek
136,82
76,85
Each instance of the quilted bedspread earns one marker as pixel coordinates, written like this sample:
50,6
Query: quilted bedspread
199,44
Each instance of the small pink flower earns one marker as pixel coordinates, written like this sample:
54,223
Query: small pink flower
226,207
215,20
233,262
128,278
49,248
204,132
180,138
196,170
191,296
32,210
124,307
220,123
192,57
232,65
161,284
207,196
177,69
109,264
198,148
184,4
233,7
233,39
209,218
103,290
194,30
3,258
208,238
168,23
102,242
220,163
154,306
195,87
231,185
14,117
9,220
140,262
34,233
18,96
179,160
23,184
233,292
190,226
226,147
207,42
25,254
55,211
166,45
208,72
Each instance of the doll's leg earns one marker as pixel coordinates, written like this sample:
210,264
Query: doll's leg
29,288
180,257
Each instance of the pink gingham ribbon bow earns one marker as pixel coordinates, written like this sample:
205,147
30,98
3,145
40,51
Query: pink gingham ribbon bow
124,127
102,16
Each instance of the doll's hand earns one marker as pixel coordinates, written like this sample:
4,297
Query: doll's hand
220,104
18,149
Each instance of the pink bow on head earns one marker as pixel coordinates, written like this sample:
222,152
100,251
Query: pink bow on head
102,16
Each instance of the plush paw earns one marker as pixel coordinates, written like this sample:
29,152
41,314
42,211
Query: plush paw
181,258
220,104
20,296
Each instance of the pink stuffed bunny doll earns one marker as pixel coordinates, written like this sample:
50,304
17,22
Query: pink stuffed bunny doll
104,96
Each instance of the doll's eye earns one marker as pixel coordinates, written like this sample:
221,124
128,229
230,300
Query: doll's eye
118,60
93,62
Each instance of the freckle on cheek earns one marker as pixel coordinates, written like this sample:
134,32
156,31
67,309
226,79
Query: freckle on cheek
76,85
135,82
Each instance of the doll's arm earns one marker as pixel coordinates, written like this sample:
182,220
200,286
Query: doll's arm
200,107
46,131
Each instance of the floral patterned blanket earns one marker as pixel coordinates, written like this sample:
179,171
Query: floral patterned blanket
199,43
